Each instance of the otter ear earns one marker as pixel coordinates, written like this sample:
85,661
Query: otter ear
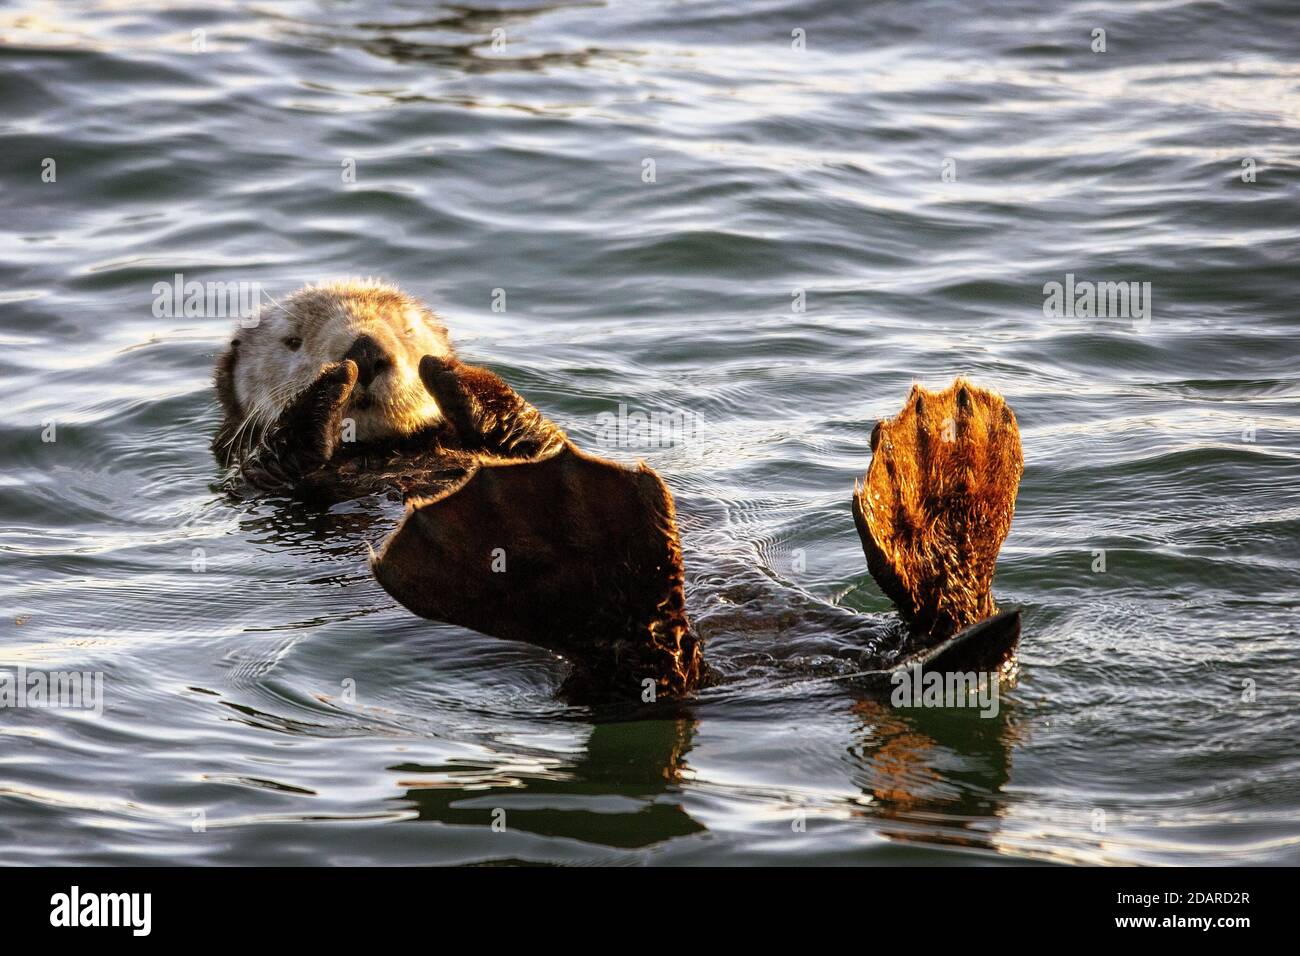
937,503
223,378
574,553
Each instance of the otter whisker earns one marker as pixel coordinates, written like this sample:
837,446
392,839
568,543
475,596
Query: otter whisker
251,417
261,416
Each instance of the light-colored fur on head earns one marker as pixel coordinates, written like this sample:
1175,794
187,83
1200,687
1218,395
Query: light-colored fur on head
266,372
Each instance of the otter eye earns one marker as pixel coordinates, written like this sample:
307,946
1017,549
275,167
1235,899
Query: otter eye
293,342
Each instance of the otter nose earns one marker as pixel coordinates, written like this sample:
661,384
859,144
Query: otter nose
370,358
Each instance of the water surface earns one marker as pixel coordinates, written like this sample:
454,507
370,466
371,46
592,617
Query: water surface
268,703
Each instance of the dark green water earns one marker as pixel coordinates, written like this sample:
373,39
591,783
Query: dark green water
1173,444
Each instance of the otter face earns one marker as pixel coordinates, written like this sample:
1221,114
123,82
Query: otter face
381,329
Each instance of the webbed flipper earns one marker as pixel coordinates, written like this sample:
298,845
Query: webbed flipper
569,551
936,505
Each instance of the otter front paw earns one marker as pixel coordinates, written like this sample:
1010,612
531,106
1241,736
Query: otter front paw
441,378
312,425
306,434
486,413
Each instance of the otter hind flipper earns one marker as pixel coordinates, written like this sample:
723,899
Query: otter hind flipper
983,646
937,502
572,552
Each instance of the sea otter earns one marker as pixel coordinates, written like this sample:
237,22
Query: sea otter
329,394
353,388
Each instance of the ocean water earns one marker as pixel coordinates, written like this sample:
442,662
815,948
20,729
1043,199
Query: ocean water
761,222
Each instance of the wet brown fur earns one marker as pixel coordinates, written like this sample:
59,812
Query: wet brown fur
937,504
487,414
569,551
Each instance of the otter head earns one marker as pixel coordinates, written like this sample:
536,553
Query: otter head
377,326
